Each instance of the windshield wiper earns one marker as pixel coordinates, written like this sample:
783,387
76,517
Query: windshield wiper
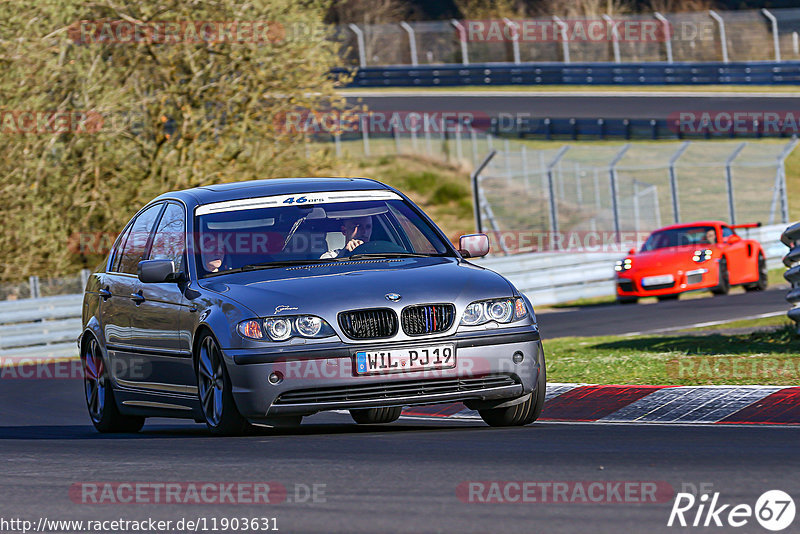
284,263
387,255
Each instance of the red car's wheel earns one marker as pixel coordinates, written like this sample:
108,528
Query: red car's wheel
761,284
724,285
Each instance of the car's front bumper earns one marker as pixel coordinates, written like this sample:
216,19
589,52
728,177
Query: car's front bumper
322,376
705,276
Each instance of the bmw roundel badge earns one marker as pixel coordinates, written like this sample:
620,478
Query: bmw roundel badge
394,297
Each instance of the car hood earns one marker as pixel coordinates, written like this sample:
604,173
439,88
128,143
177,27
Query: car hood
328,288
667,257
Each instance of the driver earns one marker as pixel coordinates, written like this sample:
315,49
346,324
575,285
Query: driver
357,231
710,236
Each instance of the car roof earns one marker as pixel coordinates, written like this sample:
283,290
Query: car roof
276,186
692,224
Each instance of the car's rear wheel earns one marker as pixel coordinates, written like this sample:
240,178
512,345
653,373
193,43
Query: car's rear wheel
374,416
763,274
724,285
525,412
100,401
215,391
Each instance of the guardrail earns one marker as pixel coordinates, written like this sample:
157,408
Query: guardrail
791,238
650,73
47,328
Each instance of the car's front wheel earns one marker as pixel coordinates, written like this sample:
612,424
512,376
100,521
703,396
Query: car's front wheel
215,391
99,395
374,416
525,412
724,284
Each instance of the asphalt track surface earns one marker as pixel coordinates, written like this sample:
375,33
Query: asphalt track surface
657,317
581,105
400,477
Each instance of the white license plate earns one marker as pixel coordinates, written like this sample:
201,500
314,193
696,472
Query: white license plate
407,359
656,280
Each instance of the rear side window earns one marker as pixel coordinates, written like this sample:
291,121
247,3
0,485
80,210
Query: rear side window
169,239
118,249
136,243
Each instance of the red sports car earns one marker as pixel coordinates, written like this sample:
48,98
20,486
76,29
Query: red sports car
687,257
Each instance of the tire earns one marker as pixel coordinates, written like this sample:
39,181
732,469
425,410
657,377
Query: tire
664,298
215,391
763,274
724,285
627,300
100,403
524,413
374,416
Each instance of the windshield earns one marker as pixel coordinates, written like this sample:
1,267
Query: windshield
678,237
276,231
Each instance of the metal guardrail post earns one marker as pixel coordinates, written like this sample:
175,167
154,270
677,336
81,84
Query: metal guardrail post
795,43
33,282
551,193
476,190
612,174
412,42
564,39
723,39
673,181
462,36
362,53
782,167
729,181
667,34
614,37
514,38
775,40
365,134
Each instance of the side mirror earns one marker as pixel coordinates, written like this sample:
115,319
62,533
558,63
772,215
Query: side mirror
733,239
632,251
473,245
158,271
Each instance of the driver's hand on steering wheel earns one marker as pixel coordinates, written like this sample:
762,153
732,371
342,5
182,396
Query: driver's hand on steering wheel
352,244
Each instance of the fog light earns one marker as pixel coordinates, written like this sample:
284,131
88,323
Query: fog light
518,357
275,378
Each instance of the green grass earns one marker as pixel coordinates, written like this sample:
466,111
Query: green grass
750,324
716,89
760,357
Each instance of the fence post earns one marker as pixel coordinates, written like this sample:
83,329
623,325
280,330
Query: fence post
722,38
412,42
337,142
476,190
473,137
426,126
782,169
667,37
551,193
462,36
507,160
673,181
729,181
84,277
514,38
795,43
636,209
362,54
33,282
775,41
525,177
614,37
564,40
396,137
612,174
365,134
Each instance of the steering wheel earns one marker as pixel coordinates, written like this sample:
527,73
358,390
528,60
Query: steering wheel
371,247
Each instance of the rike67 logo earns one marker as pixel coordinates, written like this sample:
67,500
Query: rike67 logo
774,510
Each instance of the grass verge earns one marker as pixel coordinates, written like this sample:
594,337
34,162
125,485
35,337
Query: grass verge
757,357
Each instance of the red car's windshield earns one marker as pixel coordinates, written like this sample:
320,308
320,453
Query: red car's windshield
678,237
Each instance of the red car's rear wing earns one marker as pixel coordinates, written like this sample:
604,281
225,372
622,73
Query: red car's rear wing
748,225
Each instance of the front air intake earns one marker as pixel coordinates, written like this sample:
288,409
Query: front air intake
374,323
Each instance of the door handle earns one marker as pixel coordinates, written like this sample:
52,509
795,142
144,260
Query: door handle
137,297
104,293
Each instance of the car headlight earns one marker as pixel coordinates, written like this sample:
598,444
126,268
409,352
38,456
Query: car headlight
500,310
700,256
283,328
623,265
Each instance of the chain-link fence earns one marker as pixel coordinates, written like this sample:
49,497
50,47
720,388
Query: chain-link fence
744,35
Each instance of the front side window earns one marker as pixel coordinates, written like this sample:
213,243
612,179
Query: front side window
169,239
136,242
316,227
